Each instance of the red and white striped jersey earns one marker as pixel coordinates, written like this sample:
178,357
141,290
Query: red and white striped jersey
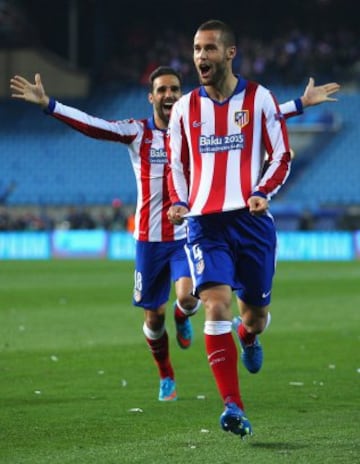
146,146
217,150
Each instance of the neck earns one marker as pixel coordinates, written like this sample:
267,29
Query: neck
159,123
223,89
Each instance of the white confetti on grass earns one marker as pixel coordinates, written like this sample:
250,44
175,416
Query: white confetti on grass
37,392
54,358
135,410
332,366
296,384
204,431
123,383
201,397
358,370
101,372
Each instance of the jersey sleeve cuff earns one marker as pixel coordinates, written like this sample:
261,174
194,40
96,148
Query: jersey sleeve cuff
51,106
181,203
259,194
299,105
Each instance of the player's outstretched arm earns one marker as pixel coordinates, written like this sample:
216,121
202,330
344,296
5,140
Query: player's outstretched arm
24,90
315,94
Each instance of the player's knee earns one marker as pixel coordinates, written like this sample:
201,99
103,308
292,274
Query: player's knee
187,301
255,319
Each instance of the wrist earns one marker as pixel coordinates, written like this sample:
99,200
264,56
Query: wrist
44,102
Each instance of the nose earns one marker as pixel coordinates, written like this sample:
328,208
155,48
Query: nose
200,54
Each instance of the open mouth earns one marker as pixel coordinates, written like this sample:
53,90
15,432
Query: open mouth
204,70
167,106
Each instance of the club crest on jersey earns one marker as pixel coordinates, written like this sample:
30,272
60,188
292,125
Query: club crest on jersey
241,118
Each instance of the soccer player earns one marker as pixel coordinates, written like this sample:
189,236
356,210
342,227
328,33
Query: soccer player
160,254
217,138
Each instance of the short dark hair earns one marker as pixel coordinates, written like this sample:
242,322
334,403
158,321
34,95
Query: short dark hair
228,34
163,71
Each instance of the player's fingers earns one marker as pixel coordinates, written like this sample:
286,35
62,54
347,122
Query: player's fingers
15,86
332,87
37,79
21,80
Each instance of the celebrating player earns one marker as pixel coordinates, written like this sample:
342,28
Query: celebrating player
218,136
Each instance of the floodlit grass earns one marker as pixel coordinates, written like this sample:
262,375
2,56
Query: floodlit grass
78,384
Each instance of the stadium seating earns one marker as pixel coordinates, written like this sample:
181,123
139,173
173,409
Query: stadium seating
54,165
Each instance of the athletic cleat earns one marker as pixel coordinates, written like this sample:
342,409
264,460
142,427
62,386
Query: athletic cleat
233,420
167,390
184,333
252,355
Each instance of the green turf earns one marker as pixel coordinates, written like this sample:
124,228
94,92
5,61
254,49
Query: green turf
73,364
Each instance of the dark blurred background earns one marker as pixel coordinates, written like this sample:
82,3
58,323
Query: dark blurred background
111,40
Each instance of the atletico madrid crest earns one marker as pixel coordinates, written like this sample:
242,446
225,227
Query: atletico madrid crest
241,118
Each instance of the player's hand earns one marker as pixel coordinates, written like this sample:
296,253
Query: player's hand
176,214
315,94
257,205
25,90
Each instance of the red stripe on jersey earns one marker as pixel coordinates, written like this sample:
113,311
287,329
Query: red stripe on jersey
215,200
144,149
185,155
195,131
94,132
280,173
167,230
248,131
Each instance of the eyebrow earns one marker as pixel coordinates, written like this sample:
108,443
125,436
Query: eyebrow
174,88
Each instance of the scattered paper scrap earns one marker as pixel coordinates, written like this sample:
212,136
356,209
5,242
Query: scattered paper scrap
54,358
201,397
296,384
136,410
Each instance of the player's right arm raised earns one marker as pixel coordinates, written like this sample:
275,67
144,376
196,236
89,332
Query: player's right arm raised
25,90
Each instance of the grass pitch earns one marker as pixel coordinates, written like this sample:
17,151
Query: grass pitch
78,384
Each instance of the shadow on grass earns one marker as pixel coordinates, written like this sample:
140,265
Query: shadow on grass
277,446
41,400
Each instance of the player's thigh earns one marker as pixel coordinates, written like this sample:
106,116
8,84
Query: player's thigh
256,259
211,262
152,278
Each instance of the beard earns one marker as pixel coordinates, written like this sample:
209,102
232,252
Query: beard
216,76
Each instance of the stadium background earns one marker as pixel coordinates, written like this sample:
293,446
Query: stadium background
96,56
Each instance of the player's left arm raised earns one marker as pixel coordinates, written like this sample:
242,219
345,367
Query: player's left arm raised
313,95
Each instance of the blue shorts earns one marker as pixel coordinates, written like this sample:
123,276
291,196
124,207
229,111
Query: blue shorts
234,248
156,265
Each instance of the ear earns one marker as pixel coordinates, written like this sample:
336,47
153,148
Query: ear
231,52
150,98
